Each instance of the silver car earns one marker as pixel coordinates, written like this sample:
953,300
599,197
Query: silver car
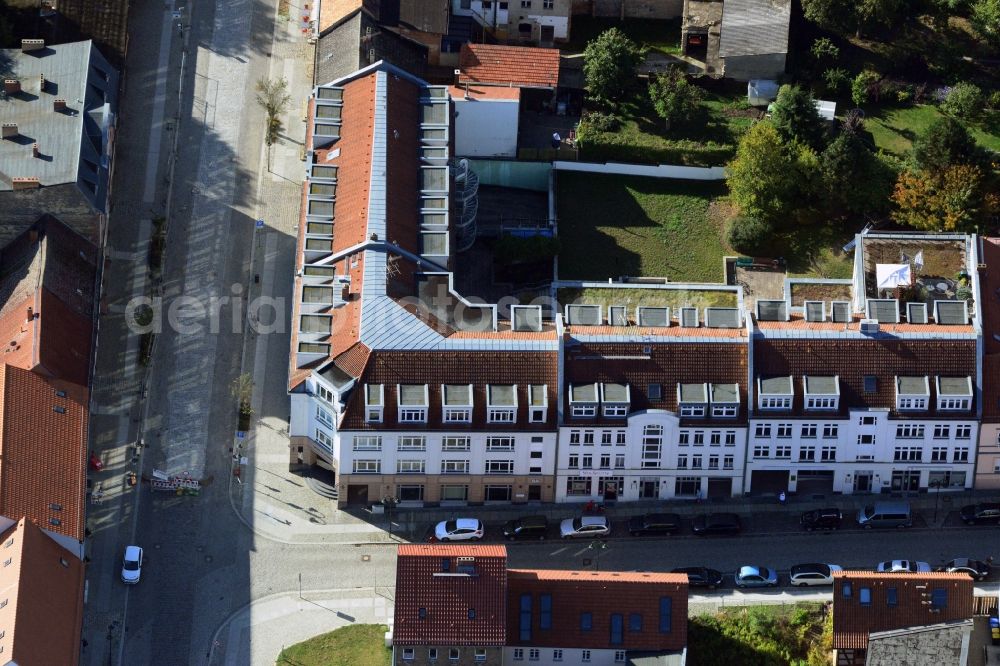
803,575
755,576
584,527
903,566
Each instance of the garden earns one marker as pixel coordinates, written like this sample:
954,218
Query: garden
800,634
353,645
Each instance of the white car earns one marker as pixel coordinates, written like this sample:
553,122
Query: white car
903,566
813,574
460,529
584,526
132,565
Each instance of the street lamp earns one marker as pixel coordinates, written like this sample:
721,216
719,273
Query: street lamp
597,545
389,503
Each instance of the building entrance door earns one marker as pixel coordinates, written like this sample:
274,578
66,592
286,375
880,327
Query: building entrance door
534,493
649,489
863,482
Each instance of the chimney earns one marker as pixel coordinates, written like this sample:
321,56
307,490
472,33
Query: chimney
28,45
41,83
11,86
34,150
25,183
8,130
31,313
59,105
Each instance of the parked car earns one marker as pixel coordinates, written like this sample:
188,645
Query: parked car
975,568
701,576
903,566
716,523
822,519
751,576
460,529
528,527
132,565
654,523
980,514
813,574
885,514
584,526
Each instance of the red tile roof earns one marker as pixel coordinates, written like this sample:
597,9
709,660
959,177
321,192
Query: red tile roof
42,451
459,609
659,331
474,91
601,594
665,364
852,622
42,592
509,65
883,358
989,305
479,368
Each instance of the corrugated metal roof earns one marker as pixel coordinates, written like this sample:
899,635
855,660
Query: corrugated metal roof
754,27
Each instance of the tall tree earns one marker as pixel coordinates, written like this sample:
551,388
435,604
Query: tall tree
675,99
985,19
946,142
855,181
609,64
761,177
795,117
952,200
833,15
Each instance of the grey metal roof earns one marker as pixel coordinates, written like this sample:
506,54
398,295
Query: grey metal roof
583,393
457,394
725,393
776,385
72,144
693,393
821,385
502,395
614,392
912,386
954,386
754,27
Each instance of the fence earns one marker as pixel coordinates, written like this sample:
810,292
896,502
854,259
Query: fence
508,173
659,171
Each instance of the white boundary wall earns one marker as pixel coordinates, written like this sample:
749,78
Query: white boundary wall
659,171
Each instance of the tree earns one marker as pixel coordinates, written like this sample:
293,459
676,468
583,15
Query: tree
952,200
985,19
609,64
964,100
865,87
880,12
795,117
946,142
242,390
761,177
833,15
854,180
273,97
675,99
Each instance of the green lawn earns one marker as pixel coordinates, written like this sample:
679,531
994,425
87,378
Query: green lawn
656,35
894,129
611,226
354,645
709,140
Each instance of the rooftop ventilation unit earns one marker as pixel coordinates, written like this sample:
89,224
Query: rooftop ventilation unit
840,312
869,326
689,317
815,311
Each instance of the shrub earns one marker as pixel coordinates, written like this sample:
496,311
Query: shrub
904,96
824,49
964,100
864,88
993,101
602,122
747,234
837,80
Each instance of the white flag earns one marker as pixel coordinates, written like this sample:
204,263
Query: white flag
918,260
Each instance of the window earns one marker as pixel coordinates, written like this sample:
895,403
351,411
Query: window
830,431
324,439
456,444
695,462
939,597
635,622
578,485
715,438
454,466
908,454
725,411
615,411
654,392
547,4
586,621
480,654
525,618
409,467
807,453
412,415
682,462
892,597
942,432
518,654
457,415
453,654
545,611
693,410
605,461
730,438
499,466
666,614
583,411
909,431
499,443
866,440
324,417
367,466
951,404
783,451
699,438
687,486
408,654
620,438
961,455
557,655
412,444
588,437
619,460
619,656
914,403
727,462
683,438
821,403
502,403
713,462
574,461
775,403
963,432
865,596
413,493
763,430
585,655
323,392
374,400
871,383
808,431
828,453
939,454
574,437
525,4
605,438
845,590
588,462
652,441
533,654
617,629
761,451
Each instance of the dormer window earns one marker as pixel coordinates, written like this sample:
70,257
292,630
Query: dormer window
501,403
912,393
538,402
692,400
775,393
725,400
413,401
821,393
456,403
954,394
374,402
615,400
583,400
